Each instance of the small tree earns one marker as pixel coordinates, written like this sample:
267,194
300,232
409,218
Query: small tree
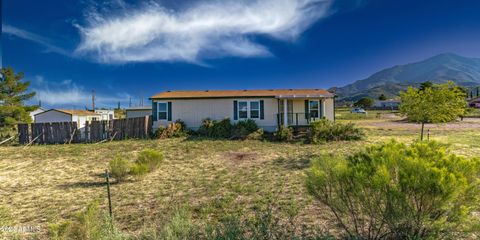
435,104
12,97
399,191
382,97
364,102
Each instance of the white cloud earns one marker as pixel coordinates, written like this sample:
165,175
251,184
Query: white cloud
199,31
20,33
68,94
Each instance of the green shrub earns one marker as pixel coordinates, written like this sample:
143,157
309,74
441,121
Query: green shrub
399,192
150,158
139,170
179,227
242,129
283,134
224,129
119,168
325,130
147,161
256,135
176,129
92,223
216,129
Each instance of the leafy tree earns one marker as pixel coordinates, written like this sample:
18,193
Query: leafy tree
12,97
399,191
364,102
435,104
426,85
382,97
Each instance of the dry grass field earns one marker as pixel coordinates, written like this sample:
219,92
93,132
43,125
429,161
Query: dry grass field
44,184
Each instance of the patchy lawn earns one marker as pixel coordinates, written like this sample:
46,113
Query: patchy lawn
43,184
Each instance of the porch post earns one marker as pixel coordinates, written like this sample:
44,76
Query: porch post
285,113
323,107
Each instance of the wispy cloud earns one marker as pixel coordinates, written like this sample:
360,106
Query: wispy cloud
203,30
68,94
20,33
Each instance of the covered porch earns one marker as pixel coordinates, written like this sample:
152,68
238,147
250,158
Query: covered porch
300,111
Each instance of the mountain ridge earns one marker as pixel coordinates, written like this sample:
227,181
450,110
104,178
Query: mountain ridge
464,71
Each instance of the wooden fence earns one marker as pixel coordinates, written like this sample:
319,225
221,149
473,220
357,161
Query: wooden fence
95,131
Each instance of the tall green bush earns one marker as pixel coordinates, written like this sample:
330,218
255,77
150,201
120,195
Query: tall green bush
119,168
91,223
283,134
176,129
150,157
325,130
396,191
216,129
224,129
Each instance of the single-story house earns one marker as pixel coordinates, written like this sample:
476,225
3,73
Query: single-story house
135,112
62,115
105,114
269,108
35,112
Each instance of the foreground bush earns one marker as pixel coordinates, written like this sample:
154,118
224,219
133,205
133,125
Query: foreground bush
147,161
242,129
395,191
176,129
224,129
92,223
325,130
215,129
119,168
283,134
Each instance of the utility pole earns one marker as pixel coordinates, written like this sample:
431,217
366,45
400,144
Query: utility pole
118,105
130,102
93,100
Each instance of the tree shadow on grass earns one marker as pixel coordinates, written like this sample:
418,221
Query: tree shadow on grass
90,184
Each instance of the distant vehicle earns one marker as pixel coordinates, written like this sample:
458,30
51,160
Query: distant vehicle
359,111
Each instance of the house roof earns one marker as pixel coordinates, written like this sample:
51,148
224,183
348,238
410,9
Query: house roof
77,112
72,112
276,93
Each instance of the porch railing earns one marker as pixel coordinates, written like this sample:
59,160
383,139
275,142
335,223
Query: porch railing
297,119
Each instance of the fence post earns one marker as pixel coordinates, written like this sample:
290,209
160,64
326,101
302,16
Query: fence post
108,194
428,134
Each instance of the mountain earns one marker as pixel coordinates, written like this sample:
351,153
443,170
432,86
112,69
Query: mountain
463,71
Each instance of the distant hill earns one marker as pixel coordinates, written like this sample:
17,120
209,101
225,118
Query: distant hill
463,71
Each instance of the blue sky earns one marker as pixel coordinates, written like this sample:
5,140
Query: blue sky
132,49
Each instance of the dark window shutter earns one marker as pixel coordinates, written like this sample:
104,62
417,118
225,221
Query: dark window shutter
235,112
169,111
262,112
154,111
306,109
321,110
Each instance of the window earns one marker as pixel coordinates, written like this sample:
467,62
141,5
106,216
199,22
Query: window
242,110
248,109
254,109
314,108
162,111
